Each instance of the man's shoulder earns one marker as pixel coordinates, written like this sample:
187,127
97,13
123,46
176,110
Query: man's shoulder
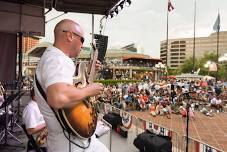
54,57
31,104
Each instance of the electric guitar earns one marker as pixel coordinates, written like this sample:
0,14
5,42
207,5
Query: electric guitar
81,119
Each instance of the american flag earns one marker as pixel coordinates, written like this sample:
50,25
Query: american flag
170,6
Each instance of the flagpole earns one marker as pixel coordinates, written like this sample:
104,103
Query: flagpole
194,37
217,51
216,27
167,38
218,44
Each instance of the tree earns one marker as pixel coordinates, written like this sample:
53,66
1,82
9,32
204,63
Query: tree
187,67
203,61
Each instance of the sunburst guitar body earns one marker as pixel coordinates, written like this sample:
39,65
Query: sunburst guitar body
81,119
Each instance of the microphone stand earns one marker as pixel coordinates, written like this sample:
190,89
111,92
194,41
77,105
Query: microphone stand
7,115
187,126
187,118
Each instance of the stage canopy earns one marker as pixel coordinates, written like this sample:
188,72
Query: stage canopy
101,7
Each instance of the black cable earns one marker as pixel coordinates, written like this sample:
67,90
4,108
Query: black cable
89,141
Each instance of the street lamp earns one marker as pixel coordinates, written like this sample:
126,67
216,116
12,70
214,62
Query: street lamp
211,65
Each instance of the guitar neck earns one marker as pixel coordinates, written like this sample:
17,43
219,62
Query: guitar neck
92,72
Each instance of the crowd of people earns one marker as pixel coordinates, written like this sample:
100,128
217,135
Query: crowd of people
166,97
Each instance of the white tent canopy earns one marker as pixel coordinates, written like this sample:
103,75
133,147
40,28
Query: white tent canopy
189,76
194,77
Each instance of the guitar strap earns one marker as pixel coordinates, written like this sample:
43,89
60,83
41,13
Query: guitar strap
64,130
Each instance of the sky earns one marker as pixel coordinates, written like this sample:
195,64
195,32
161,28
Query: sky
144,23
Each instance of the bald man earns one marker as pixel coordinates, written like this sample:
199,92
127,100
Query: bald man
55,72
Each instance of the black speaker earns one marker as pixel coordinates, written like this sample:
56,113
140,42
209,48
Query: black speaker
101,44
107,73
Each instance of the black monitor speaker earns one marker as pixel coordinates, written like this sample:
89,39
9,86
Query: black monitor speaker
101,44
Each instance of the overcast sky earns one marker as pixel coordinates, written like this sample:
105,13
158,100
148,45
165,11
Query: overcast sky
144,22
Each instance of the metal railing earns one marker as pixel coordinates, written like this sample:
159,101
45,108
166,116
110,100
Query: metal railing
195,145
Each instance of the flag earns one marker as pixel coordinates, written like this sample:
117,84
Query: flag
170,6
216,26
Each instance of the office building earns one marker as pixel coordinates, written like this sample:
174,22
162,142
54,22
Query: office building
181,49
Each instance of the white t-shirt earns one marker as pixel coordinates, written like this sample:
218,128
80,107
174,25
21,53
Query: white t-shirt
213,101
53,67
31,115
218,101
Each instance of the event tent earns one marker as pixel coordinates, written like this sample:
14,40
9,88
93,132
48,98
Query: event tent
189,76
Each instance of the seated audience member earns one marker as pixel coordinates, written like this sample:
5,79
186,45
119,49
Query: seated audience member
142,103
152,109
159,108
183,112
191,113
34,122
206,112
219,104
213,102
167,110
216,104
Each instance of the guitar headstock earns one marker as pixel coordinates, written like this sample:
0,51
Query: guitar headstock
93,63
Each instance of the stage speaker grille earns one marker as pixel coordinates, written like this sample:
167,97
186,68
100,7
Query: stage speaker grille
101,44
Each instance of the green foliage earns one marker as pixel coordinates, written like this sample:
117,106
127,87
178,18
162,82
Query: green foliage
187,67
173,71
222,72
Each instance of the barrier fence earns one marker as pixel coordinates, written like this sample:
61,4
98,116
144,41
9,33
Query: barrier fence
195,145
136,125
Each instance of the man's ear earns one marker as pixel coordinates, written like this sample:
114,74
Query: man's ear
69,36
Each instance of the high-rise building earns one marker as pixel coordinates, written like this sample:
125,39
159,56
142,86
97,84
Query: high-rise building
182,48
